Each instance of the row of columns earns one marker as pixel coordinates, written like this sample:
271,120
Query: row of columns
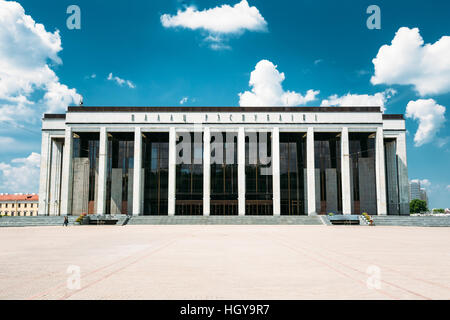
66,191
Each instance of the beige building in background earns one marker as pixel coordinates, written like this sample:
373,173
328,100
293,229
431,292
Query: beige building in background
19,204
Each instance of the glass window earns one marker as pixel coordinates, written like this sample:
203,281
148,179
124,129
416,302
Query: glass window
85,172
224,169
327,158
120,166
362,172
258,171
155,162
292,173
189,174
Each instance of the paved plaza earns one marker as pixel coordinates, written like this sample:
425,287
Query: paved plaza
225,262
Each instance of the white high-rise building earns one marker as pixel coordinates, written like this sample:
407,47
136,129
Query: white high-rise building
414,189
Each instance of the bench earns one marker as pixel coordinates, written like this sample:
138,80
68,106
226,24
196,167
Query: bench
344,219
95,221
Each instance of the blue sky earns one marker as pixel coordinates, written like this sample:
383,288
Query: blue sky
321,46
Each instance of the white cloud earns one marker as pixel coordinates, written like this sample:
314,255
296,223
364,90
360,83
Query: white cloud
424,183
59,96
408,61
358,100
120,81
267,90
26,53
184,100
430,116
218,22
20,175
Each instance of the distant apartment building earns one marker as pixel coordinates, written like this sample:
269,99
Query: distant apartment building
416,192
19,204
423,195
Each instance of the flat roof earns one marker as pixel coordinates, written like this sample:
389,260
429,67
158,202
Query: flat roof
221,109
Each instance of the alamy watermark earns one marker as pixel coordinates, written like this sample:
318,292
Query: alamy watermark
74,278
374,20
374,279
74,20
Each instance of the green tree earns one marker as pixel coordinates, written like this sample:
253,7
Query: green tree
438,210
417,206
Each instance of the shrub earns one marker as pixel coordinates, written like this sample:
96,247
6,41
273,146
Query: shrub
439,210
80,218
417,206
368,218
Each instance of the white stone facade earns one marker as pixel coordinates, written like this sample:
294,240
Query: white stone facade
56,179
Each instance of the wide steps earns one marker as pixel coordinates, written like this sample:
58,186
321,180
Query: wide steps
412,221
7,221
229,220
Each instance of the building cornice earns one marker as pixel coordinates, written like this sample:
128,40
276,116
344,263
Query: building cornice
222,109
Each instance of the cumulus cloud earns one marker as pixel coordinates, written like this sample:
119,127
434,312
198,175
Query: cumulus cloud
27,53
431,117
359,100
267,90
20,175
58,95
218,22
408,61
424,183
121,81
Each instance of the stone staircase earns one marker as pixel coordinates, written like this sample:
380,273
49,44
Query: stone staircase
222,220
412,221
7,221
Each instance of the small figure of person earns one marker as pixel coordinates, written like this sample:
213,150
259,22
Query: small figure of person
66,221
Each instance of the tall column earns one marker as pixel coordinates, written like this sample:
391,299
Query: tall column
55,179
380,173
44,174
66,184
310,168
276,171
403,182
172,171
345,173
241,171
102,162
206,171
137,172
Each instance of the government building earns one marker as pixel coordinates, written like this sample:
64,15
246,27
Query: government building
223,161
